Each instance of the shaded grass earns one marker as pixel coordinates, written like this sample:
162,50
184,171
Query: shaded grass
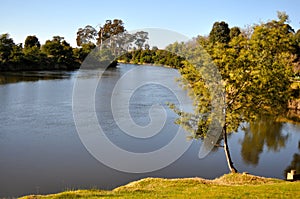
227,186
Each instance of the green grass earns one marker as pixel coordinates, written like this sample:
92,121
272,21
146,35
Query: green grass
227,186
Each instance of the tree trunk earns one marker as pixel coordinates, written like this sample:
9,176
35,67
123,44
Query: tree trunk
227,153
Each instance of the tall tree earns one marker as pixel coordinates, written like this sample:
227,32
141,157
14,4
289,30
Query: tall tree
86,35
109,29
256,77
140,38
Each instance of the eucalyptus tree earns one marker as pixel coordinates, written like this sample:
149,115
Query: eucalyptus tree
110,28
86,35
140,38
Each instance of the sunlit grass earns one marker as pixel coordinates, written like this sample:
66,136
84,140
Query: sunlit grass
227,186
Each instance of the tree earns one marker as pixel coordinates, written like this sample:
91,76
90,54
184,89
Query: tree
81,53
297,37
32,41
234,32
17,56
86,35
59,51
283,17
256,77
140,38
297,40
6,47
32,51
54,47
113,40
147,47
109,29
154,48
176,47
219,33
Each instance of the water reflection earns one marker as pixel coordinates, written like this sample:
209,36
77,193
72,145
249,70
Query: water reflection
41,153
295,163
264,132
32,76
292,116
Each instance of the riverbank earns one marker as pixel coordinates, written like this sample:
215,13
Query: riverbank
227,186
145,64
38,67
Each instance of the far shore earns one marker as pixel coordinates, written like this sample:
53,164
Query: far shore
144,64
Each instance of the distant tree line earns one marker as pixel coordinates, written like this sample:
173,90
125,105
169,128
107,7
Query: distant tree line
55,54
58,54
154,56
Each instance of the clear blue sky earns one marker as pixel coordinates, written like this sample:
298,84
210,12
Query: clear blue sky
47,18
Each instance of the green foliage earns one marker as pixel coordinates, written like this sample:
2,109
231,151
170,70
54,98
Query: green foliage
56,54
81,53
234,32
297,38
6,48
220,33
59,52
153,56
296,68
255,72
32,52
32,41
113,41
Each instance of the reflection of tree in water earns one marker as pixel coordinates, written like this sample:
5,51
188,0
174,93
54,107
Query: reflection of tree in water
15,77
262,132
295,163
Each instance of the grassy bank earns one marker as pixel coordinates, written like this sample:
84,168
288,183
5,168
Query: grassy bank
227,186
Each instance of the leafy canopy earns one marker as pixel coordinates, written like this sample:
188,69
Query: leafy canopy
255,70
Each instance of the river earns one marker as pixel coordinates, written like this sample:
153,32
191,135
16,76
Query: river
41,151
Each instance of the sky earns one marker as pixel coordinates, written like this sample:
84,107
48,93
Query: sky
48,18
